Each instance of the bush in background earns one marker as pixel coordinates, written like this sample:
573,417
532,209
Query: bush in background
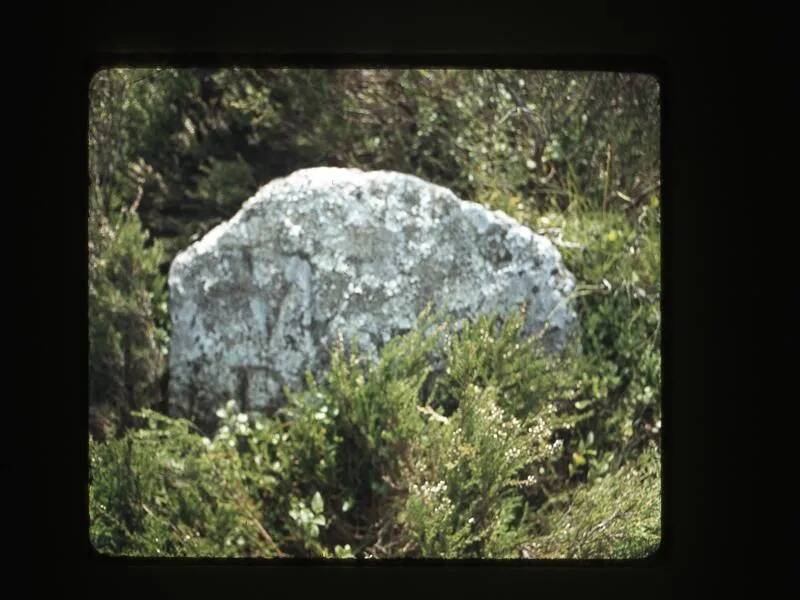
616,260
457,444
192,144
127,315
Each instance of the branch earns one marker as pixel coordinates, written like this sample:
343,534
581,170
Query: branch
267,536
523,107
427,410
638,200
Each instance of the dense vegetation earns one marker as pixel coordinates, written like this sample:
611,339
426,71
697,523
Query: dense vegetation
452,445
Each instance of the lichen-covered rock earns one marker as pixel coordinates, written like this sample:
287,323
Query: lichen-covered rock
261,298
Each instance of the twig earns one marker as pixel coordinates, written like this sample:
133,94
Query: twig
601,526
242,503
638,199
522,106
150,512
427,410
266,536
607,187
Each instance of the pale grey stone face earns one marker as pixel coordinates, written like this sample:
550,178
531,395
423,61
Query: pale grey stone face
261,298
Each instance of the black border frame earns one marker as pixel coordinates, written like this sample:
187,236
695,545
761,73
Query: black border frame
649,66
642,66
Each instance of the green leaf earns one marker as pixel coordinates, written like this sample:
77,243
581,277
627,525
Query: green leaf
343,551
316,503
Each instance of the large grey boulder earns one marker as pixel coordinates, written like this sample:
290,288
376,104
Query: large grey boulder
325,251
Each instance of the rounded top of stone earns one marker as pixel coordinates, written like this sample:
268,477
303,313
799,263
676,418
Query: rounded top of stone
307,183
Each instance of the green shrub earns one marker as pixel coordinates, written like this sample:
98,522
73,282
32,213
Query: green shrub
127,319
165,491
489,352
362,462
465,478
186,142
616,260
617,516
369,412
345,463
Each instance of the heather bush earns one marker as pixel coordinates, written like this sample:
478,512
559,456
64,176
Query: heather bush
164,490
350,462
465,477
367,461
618,516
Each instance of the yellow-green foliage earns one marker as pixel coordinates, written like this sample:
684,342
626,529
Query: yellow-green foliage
127,314
344,464
489,352
616,517
465,478
616,260
163,490
359,462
